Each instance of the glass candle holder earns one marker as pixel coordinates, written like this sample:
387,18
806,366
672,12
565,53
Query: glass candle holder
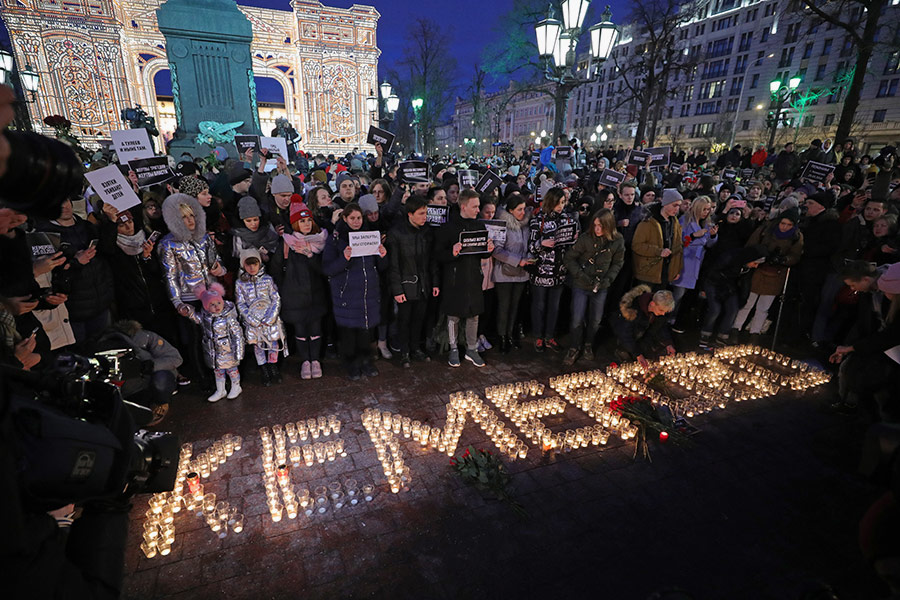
149,549
238,525
338,500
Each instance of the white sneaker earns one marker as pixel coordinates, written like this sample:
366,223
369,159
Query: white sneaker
235,390
384,350
219,393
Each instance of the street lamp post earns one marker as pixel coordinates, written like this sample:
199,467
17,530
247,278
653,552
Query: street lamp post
780,94
557,40
417,104
382,110
25,84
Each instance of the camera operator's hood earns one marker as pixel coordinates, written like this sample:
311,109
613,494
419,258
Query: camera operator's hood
171,212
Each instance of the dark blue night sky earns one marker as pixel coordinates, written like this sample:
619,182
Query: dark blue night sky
472,24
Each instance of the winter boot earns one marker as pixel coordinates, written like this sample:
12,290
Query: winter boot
315,368
306,370
275,372
235,387
219,393
571,357
265,375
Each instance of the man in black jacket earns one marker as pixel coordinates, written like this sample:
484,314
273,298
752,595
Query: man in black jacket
412,275
786,163
462,298
821,230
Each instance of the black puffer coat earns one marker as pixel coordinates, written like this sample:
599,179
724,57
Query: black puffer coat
301,284
90,287
461,294
413,270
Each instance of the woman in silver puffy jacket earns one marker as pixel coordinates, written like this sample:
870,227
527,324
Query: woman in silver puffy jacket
189,259
259,305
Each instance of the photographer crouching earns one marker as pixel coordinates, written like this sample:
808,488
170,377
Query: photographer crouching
69,456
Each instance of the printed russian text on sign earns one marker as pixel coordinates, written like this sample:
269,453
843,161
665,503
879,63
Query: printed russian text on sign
474,242
246,142
487,183
364,243
380,136
638,158
496,230
151,171
816,171
565,234
611,178
659,157
112,187
437,214
276,146
132,144
414,171
467,178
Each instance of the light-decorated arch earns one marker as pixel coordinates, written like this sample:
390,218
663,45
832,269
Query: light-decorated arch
96,57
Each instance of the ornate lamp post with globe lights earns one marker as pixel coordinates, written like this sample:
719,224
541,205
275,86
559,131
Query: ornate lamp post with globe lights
780,95
25,81
557,41
383,112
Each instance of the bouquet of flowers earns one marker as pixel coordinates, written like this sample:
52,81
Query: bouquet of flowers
640,411
486,472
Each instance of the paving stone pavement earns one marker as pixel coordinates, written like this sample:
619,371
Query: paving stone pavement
764,502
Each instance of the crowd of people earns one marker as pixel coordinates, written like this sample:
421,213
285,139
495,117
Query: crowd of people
235,257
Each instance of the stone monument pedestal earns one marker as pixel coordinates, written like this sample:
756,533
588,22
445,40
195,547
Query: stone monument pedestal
208,48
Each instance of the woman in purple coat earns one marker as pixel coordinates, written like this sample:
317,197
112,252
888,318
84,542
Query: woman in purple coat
698,234
355,292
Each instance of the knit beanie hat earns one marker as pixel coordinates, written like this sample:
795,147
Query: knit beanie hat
247,253
341,178
368,203
192,185
669,196
299,210
207,295
792,214
238,174
826,199
282,184
248,207
890,280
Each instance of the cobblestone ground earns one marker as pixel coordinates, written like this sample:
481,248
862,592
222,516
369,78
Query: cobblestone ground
763,503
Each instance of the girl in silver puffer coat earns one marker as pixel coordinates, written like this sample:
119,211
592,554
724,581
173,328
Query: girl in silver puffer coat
259,305
223,339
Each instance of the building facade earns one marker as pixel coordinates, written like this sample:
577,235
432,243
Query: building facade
740,46
514,115
96,57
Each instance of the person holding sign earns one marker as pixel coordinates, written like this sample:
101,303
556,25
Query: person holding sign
355,292
461,296
413,277
551,232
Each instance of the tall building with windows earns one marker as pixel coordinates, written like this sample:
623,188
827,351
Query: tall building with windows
738,48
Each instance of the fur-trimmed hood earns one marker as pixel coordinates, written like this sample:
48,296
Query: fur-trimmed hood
512,223
172,216
625,304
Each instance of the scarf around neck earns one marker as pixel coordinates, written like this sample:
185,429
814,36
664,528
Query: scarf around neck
132,245
306,244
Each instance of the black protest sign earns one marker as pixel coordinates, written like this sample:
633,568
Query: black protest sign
535,157
816,171
746,174
638,158
729,175
565,234
675,168
563,152
467,178
437,214
151,171
611,178
246,142
659,157
414,171
487,183
474,242
380,136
